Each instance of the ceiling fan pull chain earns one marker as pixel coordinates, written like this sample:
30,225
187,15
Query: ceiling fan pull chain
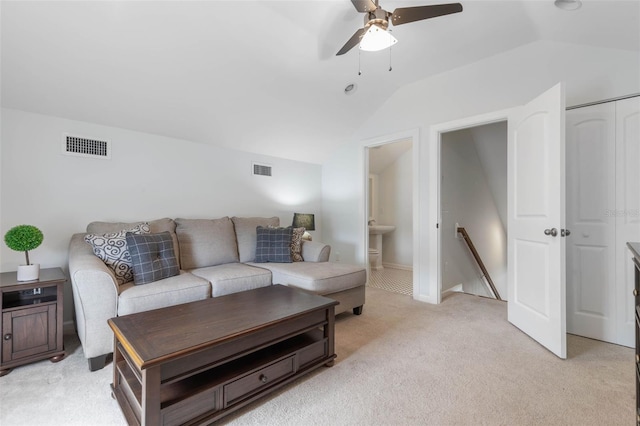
359,67
390,47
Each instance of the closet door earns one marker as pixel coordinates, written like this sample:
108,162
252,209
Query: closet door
591,247
627,211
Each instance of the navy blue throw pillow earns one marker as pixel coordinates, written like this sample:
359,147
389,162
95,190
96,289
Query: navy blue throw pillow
152,257
273,244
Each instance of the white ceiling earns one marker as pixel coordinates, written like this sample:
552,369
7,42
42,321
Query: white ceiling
260,76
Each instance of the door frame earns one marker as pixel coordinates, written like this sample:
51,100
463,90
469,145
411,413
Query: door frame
414,136
434,216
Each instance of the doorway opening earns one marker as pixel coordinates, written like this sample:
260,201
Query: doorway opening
473,210
535,198
389,209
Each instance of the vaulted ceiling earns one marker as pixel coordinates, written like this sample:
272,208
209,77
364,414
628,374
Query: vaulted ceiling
259,76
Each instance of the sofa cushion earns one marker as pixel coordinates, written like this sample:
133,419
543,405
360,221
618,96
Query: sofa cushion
273,244
245,228
175,290
317,277
152,257
112,248
155,226
206,242
234,277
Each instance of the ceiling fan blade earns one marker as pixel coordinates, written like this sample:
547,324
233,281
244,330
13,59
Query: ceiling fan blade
364,5
404,15
354,40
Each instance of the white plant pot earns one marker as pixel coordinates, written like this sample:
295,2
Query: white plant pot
29,272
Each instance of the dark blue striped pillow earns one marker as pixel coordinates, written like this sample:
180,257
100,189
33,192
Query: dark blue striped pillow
273,244
152,257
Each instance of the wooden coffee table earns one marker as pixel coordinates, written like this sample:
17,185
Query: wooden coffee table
197,362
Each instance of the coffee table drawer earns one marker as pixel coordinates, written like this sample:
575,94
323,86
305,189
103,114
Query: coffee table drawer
257,380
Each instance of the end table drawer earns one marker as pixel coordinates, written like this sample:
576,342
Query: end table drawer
257,380
28,332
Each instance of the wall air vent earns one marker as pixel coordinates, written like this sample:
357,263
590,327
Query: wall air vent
261,169
86,147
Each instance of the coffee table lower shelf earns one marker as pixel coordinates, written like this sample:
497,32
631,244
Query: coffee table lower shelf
217,390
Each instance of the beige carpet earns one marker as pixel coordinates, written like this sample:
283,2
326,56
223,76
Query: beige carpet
400,363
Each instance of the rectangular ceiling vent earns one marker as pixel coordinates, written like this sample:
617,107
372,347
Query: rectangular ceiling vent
86,147
261,169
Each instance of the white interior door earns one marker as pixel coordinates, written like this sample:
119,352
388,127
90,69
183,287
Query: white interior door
627,212
536,210
591,249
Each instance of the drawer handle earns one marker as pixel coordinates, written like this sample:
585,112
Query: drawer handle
263,378
635,292
7,336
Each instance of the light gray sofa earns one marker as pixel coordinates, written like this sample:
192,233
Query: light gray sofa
215,256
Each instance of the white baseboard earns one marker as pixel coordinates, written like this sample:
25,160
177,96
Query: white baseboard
454,289
397,266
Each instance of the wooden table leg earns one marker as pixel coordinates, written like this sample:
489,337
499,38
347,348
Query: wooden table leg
329,333
117,357
58,358
151,396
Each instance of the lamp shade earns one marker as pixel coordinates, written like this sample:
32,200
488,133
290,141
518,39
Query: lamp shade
376,38
304,220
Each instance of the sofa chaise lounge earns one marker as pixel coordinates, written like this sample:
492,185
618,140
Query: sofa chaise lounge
215,257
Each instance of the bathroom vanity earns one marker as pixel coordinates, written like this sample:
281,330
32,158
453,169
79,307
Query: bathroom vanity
375,244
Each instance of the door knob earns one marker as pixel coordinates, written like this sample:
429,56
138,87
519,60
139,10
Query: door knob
565,232
553,232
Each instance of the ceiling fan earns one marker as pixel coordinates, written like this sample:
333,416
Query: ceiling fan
376,22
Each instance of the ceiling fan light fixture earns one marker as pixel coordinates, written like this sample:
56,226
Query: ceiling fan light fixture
376,38
568,4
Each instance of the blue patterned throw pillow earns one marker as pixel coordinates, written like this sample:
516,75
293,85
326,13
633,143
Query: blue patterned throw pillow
112,249
152,257
273,245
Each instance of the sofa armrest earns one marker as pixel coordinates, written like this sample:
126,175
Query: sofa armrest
314,251
95,297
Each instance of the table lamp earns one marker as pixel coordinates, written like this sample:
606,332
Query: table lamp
306,221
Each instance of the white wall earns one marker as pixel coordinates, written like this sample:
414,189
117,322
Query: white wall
492,84
395,203
148,177
466,199
491,146
343,204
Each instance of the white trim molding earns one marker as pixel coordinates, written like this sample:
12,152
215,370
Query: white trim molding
433,201
397,266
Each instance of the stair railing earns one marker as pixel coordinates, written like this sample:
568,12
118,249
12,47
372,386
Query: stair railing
476,256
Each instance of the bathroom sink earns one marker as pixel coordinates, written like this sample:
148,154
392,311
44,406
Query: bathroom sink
380,229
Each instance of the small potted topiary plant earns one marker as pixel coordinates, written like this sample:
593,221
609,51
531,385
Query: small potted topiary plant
25,238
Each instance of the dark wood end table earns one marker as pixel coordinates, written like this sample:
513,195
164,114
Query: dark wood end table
32,318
